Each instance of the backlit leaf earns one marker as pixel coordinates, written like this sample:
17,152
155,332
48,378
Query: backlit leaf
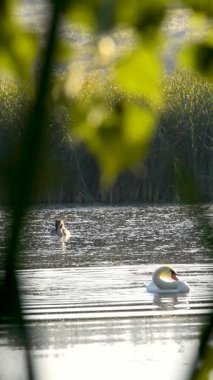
118,139
63,52
205,368
140,73
145,15
81,14
199,56
17,49
204,6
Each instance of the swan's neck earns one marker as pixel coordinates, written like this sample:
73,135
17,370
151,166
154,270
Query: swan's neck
161,283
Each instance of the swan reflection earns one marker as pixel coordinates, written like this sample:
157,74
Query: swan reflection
168,301
165,301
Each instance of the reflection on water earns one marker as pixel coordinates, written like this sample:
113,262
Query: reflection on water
165,302
86,303
112,346
62,334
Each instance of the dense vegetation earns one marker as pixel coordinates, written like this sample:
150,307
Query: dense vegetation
70,173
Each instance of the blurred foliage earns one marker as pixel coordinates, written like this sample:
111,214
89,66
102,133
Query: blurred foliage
203,365
200,6
18,45
119,135
140,72
199,56
116,134
206,366
137,70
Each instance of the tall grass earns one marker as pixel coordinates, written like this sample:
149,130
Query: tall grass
70,173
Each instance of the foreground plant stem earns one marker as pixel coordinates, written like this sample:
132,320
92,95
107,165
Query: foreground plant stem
21,183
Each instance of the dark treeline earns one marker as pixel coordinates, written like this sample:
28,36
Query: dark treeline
70,174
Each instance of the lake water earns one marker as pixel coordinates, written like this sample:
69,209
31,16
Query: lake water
85,300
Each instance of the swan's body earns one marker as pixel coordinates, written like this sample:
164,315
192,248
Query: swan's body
60,230
160,285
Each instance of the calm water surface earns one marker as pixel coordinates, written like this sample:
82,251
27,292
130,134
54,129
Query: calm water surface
85,300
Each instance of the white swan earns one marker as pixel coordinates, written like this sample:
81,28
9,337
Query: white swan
165,281
61,230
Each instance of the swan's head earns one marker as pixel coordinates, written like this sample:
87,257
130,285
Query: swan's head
59,223
173,274
166,272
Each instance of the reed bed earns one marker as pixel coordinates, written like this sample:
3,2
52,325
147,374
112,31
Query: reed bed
71,175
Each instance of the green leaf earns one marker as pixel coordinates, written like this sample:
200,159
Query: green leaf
205,367
145,15
203,6
117,139
17,49
81,14
199,56
140,73
62,52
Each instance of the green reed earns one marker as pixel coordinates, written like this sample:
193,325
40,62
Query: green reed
183,135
